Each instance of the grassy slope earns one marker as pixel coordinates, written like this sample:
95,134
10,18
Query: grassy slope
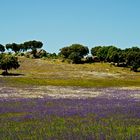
54,72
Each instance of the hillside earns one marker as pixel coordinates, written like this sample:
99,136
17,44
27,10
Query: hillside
54,72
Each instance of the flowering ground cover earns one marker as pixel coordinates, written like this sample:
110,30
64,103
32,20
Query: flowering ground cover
51,100
73,113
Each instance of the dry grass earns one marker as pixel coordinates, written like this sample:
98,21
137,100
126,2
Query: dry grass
54,72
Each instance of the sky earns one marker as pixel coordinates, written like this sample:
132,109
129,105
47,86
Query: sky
60,23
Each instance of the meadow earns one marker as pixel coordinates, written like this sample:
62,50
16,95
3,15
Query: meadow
57,73
51,100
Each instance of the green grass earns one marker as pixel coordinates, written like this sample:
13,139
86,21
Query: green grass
72,82
48,72
67,128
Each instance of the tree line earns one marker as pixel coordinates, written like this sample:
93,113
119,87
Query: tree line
9,61
75,53
28,45
129,57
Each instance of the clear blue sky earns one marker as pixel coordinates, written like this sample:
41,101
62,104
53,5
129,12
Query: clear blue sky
59,23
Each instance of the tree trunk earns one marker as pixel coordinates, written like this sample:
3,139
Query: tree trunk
6,72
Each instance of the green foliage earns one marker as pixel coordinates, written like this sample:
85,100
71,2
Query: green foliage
73,52
133,49
114,57
75,57
52,55
25,46
1,55
95,50
129,56
8,62
106,53
112,54
133,59
102,53
14,47
65,52
33,45
29,45
135,66
2,48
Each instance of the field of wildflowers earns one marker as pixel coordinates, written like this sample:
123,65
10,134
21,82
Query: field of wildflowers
110,114
58,101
